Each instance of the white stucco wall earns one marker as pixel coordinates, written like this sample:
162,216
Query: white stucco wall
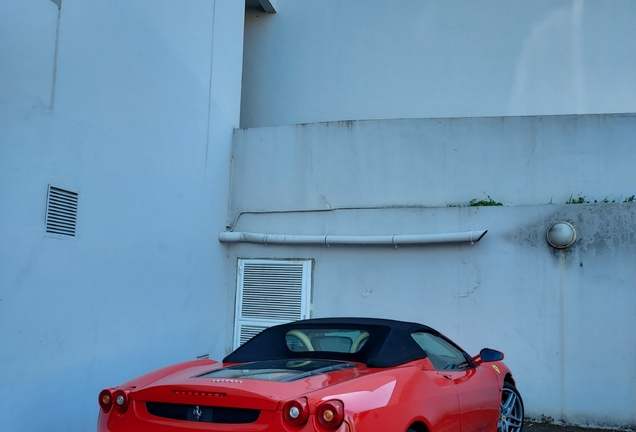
434,162
146,98
372,59
564,319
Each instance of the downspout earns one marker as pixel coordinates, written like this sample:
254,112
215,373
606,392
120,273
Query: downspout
328,240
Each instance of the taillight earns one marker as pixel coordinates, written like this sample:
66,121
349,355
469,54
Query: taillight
121,400
106,400
296,412
330,414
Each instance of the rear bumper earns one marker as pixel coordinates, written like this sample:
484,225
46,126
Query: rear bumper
135,421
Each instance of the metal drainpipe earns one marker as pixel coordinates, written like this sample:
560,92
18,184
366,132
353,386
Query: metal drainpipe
327,240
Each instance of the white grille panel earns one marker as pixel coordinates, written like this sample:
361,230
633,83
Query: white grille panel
249,331
270,292
61,212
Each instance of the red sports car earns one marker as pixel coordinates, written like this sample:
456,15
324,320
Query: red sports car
326,375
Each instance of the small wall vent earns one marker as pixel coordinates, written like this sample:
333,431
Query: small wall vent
61,212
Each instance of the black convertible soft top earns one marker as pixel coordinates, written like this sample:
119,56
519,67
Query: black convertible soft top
389,344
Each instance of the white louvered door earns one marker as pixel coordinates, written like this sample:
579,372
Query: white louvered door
270,292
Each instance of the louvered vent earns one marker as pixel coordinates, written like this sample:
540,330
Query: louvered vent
247,332
270,293
61,212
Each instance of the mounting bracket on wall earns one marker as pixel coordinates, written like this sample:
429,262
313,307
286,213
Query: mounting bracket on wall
268,6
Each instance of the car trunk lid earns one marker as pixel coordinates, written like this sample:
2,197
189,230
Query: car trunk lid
257,385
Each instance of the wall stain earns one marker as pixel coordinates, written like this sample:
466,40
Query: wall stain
601,229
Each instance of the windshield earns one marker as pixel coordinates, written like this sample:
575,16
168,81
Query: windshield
376,343
327,340
278,370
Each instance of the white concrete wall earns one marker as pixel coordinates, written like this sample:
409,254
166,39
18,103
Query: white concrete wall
373,59
564,319
434,162
147,96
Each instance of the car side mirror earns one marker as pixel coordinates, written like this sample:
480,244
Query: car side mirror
488,355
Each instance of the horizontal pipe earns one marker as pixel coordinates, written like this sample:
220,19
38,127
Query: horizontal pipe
327,240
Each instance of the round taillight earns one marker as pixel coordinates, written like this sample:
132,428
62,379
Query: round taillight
106,399
296,412
330,414
121,400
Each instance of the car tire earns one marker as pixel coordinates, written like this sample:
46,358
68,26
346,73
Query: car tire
510,410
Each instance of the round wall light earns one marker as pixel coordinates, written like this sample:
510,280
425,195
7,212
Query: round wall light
561,235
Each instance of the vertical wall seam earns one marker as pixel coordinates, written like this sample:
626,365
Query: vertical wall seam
207,139
57,43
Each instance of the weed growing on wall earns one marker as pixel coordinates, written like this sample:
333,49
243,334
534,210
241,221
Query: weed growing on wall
581,199
578,199
486,202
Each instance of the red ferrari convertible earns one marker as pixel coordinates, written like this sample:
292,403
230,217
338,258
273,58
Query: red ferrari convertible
326,375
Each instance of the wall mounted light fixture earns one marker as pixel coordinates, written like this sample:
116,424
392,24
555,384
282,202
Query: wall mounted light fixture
561,235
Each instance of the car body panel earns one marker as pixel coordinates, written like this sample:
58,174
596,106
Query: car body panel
374,398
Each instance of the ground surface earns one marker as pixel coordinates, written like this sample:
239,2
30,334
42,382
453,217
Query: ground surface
530,426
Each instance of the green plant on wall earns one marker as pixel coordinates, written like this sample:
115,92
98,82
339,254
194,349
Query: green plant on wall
487,202
580,199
